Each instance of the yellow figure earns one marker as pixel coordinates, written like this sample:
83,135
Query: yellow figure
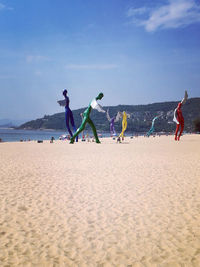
124,124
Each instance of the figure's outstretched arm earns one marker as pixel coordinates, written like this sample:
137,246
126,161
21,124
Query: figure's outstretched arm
62,103
100,109
107,115
96,106
128,115
119,116
185,98
175,117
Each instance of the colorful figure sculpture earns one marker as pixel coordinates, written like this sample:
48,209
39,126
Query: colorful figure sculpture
124,123
86,118
152,126
178,117
112,121
68,113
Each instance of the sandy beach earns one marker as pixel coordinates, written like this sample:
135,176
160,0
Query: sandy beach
87,204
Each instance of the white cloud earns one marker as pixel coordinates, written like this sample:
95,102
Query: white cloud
38,58
175,14
91,66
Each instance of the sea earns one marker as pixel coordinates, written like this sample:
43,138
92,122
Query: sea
13,135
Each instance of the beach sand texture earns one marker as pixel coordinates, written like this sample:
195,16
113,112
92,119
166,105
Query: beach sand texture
130,204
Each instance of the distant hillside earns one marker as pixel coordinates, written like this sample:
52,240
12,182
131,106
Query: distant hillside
9,123
140,121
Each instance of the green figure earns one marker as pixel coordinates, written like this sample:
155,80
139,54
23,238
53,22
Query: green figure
86,119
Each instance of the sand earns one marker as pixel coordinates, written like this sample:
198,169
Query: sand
88,204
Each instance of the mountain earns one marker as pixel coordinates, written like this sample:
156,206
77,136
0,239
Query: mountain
9,123
140,120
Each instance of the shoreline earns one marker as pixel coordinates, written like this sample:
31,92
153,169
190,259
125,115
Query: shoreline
104,136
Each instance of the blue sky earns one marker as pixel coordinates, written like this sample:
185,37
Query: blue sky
135,52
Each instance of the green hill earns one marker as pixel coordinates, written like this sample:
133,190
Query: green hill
140,121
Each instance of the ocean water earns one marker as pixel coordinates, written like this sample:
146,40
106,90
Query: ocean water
12,135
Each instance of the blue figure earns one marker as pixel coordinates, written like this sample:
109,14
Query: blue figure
68,114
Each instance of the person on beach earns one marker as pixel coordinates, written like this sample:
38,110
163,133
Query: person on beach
178,117
118,139
86,119
68,113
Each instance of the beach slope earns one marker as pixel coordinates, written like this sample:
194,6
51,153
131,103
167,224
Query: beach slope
87,204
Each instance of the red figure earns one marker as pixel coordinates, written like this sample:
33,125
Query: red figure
180,119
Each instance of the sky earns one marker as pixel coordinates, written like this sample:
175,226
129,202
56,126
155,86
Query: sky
134,51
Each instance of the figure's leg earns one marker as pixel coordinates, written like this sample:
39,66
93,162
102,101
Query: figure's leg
181,130
151,130
124,125
79,130
149,133
94,130
67,122
72,123
122,132
111,130
123,129
115,133
177,128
